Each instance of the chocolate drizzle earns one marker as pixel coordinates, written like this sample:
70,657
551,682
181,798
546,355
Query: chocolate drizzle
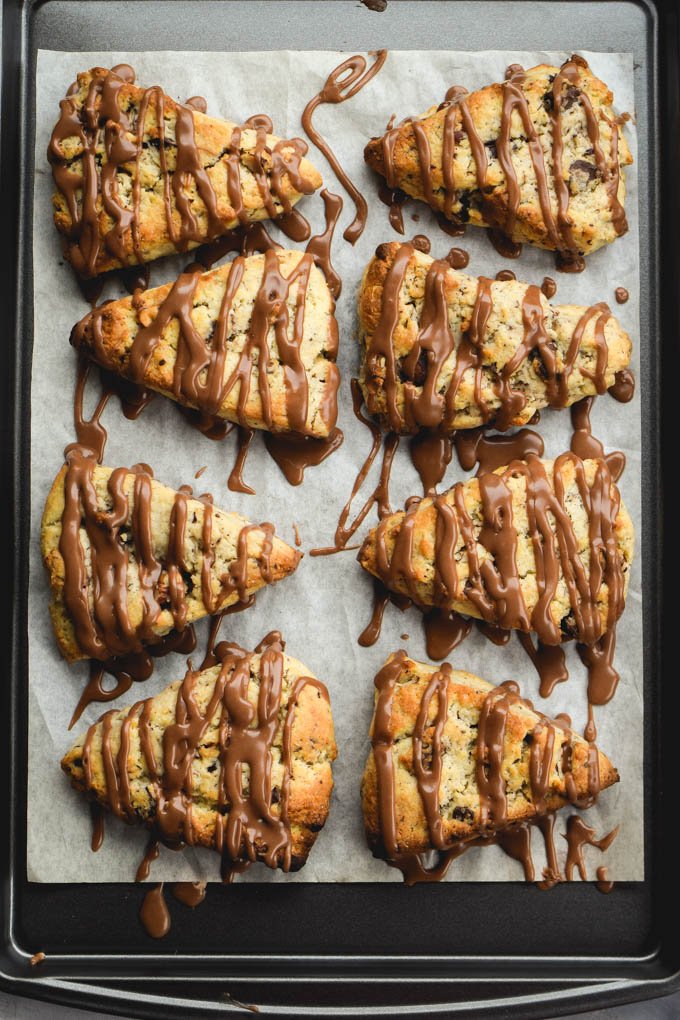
200,378
342,83
416,378
251,822
502,216
105,221
491,823
98,608
380,494
492,582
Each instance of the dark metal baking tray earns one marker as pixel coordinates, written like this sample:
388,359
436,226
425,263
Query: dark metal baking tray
352,949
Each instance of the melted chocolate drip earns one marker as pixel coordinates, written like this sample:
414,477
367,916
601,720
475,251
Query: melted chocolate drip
380,494
431,454
579,835
493,584
444,631
493,826
343,82
425,405
458,123
294,454
189,893
476,448
621,295
251,823
319,246
548,287
102,122
154,913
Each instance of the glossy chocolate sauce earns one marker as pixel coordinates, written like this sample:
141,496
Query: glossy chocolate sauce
493,582
104,122
380,494
425,406
459,123
343,82
294,453
251,824
492,823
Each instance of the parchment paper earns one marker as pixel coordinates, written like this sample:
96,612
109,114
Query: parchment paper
326,604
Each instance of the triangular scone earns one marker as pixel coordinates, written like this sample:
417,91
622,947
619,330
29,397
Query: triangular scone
489,159
129,559
540,545
448,351
139,175
529,764
202,342
236,757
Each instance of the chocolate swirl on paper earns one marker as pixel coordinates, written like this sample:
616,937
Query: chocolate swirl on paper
342,83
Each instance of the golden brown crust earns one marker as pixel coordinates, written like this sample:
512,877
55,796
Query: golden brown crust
108,334
422,586
458,791
503,335
589,206
226,529
212,137
313,750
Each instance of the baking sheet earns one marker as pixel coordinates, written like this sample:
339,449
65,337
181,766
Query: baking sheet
325,605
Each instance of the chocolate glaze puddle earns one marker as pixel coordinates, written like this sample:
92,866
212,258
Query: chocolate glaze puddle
294,454
342,83
154,913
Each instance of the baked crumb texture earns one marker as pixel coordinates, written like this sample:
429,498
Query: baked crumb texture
254,342
130,559
539,157
427,730
444,350
236,758
139,175
540,545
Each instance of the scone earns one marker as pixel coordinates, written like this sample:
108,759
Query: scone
236,758
454,758
542,546
539,157
139,175
130,559
448,351
254,342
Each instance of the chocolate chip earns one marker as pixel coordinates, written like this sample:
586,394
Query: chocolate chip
463,814
491,148
584,167
571,95
548,101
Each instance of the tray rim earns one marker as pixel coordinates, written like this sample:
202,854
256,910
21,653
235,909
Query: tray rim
660,979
